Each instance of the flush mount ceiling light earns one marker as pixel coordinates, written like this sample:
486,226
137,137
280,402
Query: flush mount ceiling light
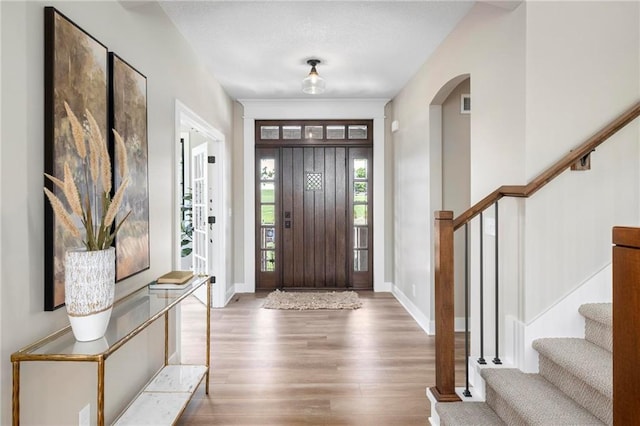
313,84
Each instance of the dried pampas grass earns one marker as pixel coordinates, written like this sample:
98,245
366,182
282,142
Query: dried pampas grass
97,220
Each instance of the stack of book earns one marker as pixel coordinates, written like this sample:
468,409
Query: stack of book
172,280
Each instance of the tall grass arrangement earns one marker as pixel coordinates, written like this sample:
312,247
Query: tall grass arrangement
90,198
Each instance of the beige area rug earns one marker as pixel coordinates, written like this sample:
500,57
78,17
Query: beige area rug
312,300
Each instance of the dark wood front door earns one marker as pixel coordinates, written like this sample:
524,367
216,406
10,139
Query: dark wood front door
313,218
314,201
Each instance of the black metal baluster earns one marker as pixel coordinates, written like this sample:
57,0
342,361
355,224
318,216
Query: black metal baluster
466,391
481,360
496,360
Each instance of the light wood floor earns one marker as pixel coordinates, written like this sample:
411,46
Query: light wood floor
364,367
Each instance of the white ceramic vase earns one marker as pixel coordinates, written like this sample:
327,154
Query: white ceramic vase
89,288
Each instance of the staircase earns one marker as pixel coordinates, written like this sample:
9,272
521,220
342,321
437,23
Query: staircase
573,386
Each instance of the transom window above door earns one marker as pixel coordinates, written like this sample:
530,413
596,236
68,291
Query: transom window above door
312,132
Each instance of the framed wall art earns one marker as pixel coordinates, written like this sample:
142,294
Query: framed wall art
75,71
128,116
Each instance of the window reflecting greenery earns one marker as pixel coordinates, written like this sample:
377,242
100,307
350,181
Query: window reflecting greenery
267,193
268,261
360,168
360,192
267,169
267,214
360,214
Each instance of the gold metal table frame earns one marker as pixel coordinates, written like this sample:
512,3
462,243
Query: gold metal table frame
59,346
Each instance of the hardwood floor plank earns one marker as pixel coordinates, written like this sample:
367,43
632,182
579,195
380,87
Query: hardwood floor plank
365,367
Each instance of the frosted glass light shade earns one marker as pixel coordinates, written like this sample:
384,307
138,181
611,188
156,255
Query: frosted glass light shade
313,84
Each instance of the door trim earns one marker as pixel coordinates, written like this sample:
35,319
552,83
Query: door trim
315,109
185,118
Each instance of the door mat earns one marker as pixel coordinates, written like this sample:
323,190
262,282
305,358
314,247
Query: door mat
312,300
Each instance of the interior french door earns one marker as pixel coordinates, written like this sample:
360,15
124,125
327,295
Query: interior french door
313,217
200,206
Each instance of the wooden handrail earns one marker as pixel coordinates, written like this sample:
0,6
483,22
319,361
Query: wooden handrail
548,175
444,390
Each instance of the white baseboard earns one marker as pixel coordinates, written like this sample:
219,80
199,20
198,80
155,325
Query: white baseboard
244,288
429,326
229,295
412,309
384,287
247,288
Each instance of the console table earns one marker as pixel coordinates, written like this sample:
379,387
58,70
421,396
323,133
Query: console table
171,388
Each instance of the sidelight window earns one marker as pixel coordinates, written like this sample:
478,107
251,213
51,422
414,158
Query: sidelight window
360,217
267,213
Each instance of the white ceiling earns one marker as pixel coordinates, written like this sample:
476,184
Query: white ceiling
368,49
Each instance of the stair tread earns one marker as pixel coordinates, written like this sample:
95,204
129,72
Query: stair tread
536,400
584,360
599,312
467,414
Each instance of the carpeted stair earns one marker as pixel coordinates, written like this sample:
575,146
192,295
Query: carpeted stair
573,386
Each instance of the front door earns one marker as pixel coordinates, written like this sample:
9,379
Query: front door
313,217
314,200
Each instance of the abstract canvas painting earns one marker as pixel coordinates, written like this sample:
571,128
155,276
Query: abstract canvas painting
75,71
128,112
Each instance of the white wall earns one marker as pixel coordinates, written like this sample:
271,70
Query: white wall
1,239
545,77
582,72
488,45
388,202
456,181
145,37
238,188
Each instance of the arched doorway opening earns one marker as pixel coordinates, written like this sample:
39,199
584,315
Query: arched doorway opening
450,138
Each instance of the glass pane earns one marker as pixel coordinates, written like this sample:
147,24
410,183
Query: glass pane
359,192
197,192
268,238
267,214
267,169
313,132
314,181
360,168
357,132
291,132
270,132
360,260
360,237
335,132
267,261
360,214
267,192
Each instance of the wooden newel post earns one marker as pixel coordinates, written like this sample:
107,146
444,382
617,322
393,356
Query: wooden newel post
626,325
444,390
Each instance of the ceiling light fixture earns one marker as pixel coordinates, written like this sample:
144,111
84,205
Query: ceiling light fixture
313,84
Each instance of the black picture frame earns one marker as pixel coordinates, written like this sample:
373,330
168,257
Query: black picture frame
128,116
75,71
